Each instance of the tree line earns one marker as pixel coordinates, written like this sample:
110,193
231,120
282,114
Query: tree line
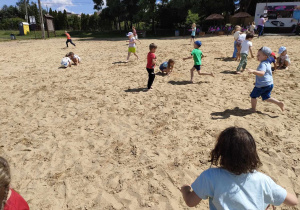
122,14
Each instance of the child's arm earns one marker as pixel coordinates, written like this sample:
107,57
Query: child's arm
257,73
250,49
154,61
190,197
275,66
290,200
190,57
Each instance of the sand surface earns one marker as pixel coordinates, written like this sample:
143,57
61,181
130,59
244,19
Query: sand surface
90,137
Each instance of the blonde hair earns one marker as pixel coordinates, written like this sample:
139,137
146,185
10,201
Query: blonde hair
253,23
5,179
194,24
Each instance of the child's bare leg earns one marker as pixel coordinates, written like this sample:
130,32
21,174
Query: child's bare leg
128,56
278,103
210,74
136,56
192,74
286,64
253,104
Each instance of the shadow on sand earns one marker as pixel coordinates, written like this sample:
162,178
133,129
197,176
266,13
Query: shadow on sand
228,72
226,59
119,62
136,90
186,82
235,112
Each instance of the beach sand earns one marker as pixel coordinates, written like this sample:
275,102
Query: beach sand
90,137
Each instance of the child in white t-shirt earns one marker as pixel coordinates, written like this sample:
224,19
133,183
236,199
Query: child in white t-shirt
245,48
237,32
131,46
66,62
283,60
75,58
239,42
236,184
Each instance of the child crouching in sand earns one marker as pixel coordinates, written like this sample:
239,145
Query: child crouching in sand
197,56
167,67
75,58
264,80
236,184
283,60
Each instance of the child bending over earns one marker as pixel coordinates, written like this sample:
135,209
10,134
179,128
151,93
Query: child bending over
167,67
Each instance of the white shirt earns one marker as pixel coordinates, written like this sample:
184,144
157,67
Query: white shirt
236,35
252,27
242,38
245,46
131,44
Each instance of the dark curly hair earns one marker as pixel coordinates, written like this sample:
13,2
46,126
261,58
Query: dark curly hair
235,151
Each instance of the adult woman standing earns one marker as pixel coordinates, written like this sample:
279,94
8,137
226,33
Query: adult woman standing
261,25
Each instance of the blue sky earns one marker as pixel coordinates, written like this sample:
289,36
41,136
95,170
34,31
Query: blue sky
75,6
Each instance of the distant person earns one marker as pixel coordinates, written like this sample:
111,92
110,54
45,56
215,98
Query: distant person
135,34
193,34
236,33
131,46
246,48
9,199
264,80
261,25
75,58
235,183
69,39
283,60
151,61
167,67
197,56
272,59
252,28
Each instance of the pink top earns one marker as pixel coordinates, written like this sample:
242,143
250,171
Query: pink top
16,202
261,21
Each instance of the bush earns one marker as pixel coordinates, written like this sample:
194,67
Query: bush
10,23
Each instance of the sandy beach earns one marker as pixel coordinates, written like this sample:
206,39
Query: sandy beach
89,137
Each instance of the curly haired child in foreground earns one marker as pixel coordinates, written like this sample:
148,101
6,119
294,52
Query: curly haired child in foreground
236,184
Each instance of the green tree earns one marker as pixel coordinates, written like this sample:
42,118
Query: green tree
191,18
65,23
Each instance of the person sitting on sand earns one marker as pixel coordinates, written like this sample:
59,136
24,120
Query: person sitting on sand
197,56
131,46
272,59
75,58
283,60
235,183
167,67
264,80
66,62
9,199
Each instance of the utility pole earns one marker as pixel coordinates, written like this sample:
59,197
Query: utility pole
26,11
42,20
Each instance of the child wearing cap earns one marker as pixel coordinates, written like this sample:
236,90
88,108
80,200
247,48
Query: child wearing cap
283,59
197,55
272,59
264,80
131,46
246,47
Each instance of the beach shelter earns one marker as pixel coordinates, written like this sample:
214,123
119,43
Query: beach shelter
215,17
241,15
24,28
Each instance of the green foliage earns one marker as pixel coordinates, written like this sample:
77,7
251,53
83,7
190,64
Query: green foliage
10,23
191,18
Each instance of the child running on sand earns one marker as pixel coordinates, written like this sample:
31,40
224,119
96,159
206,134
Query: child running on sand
197,56
235,183
75,58
151,61
69,39
135,34
264,80
131,46
193,32
167,67
246,47
9,199
283,60
236,33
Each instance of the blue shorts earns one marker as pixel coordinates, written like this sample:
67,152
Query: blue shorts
161,67
197,67
264,92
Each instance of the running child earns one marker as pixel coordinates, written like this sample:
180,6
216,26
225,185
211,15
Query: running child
264,80
69,39
283,60
167,67
75,58
131,46
9,199
66,62
239,41
246,47
135,34
197,56
193,32
151,61
236,33
235,183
